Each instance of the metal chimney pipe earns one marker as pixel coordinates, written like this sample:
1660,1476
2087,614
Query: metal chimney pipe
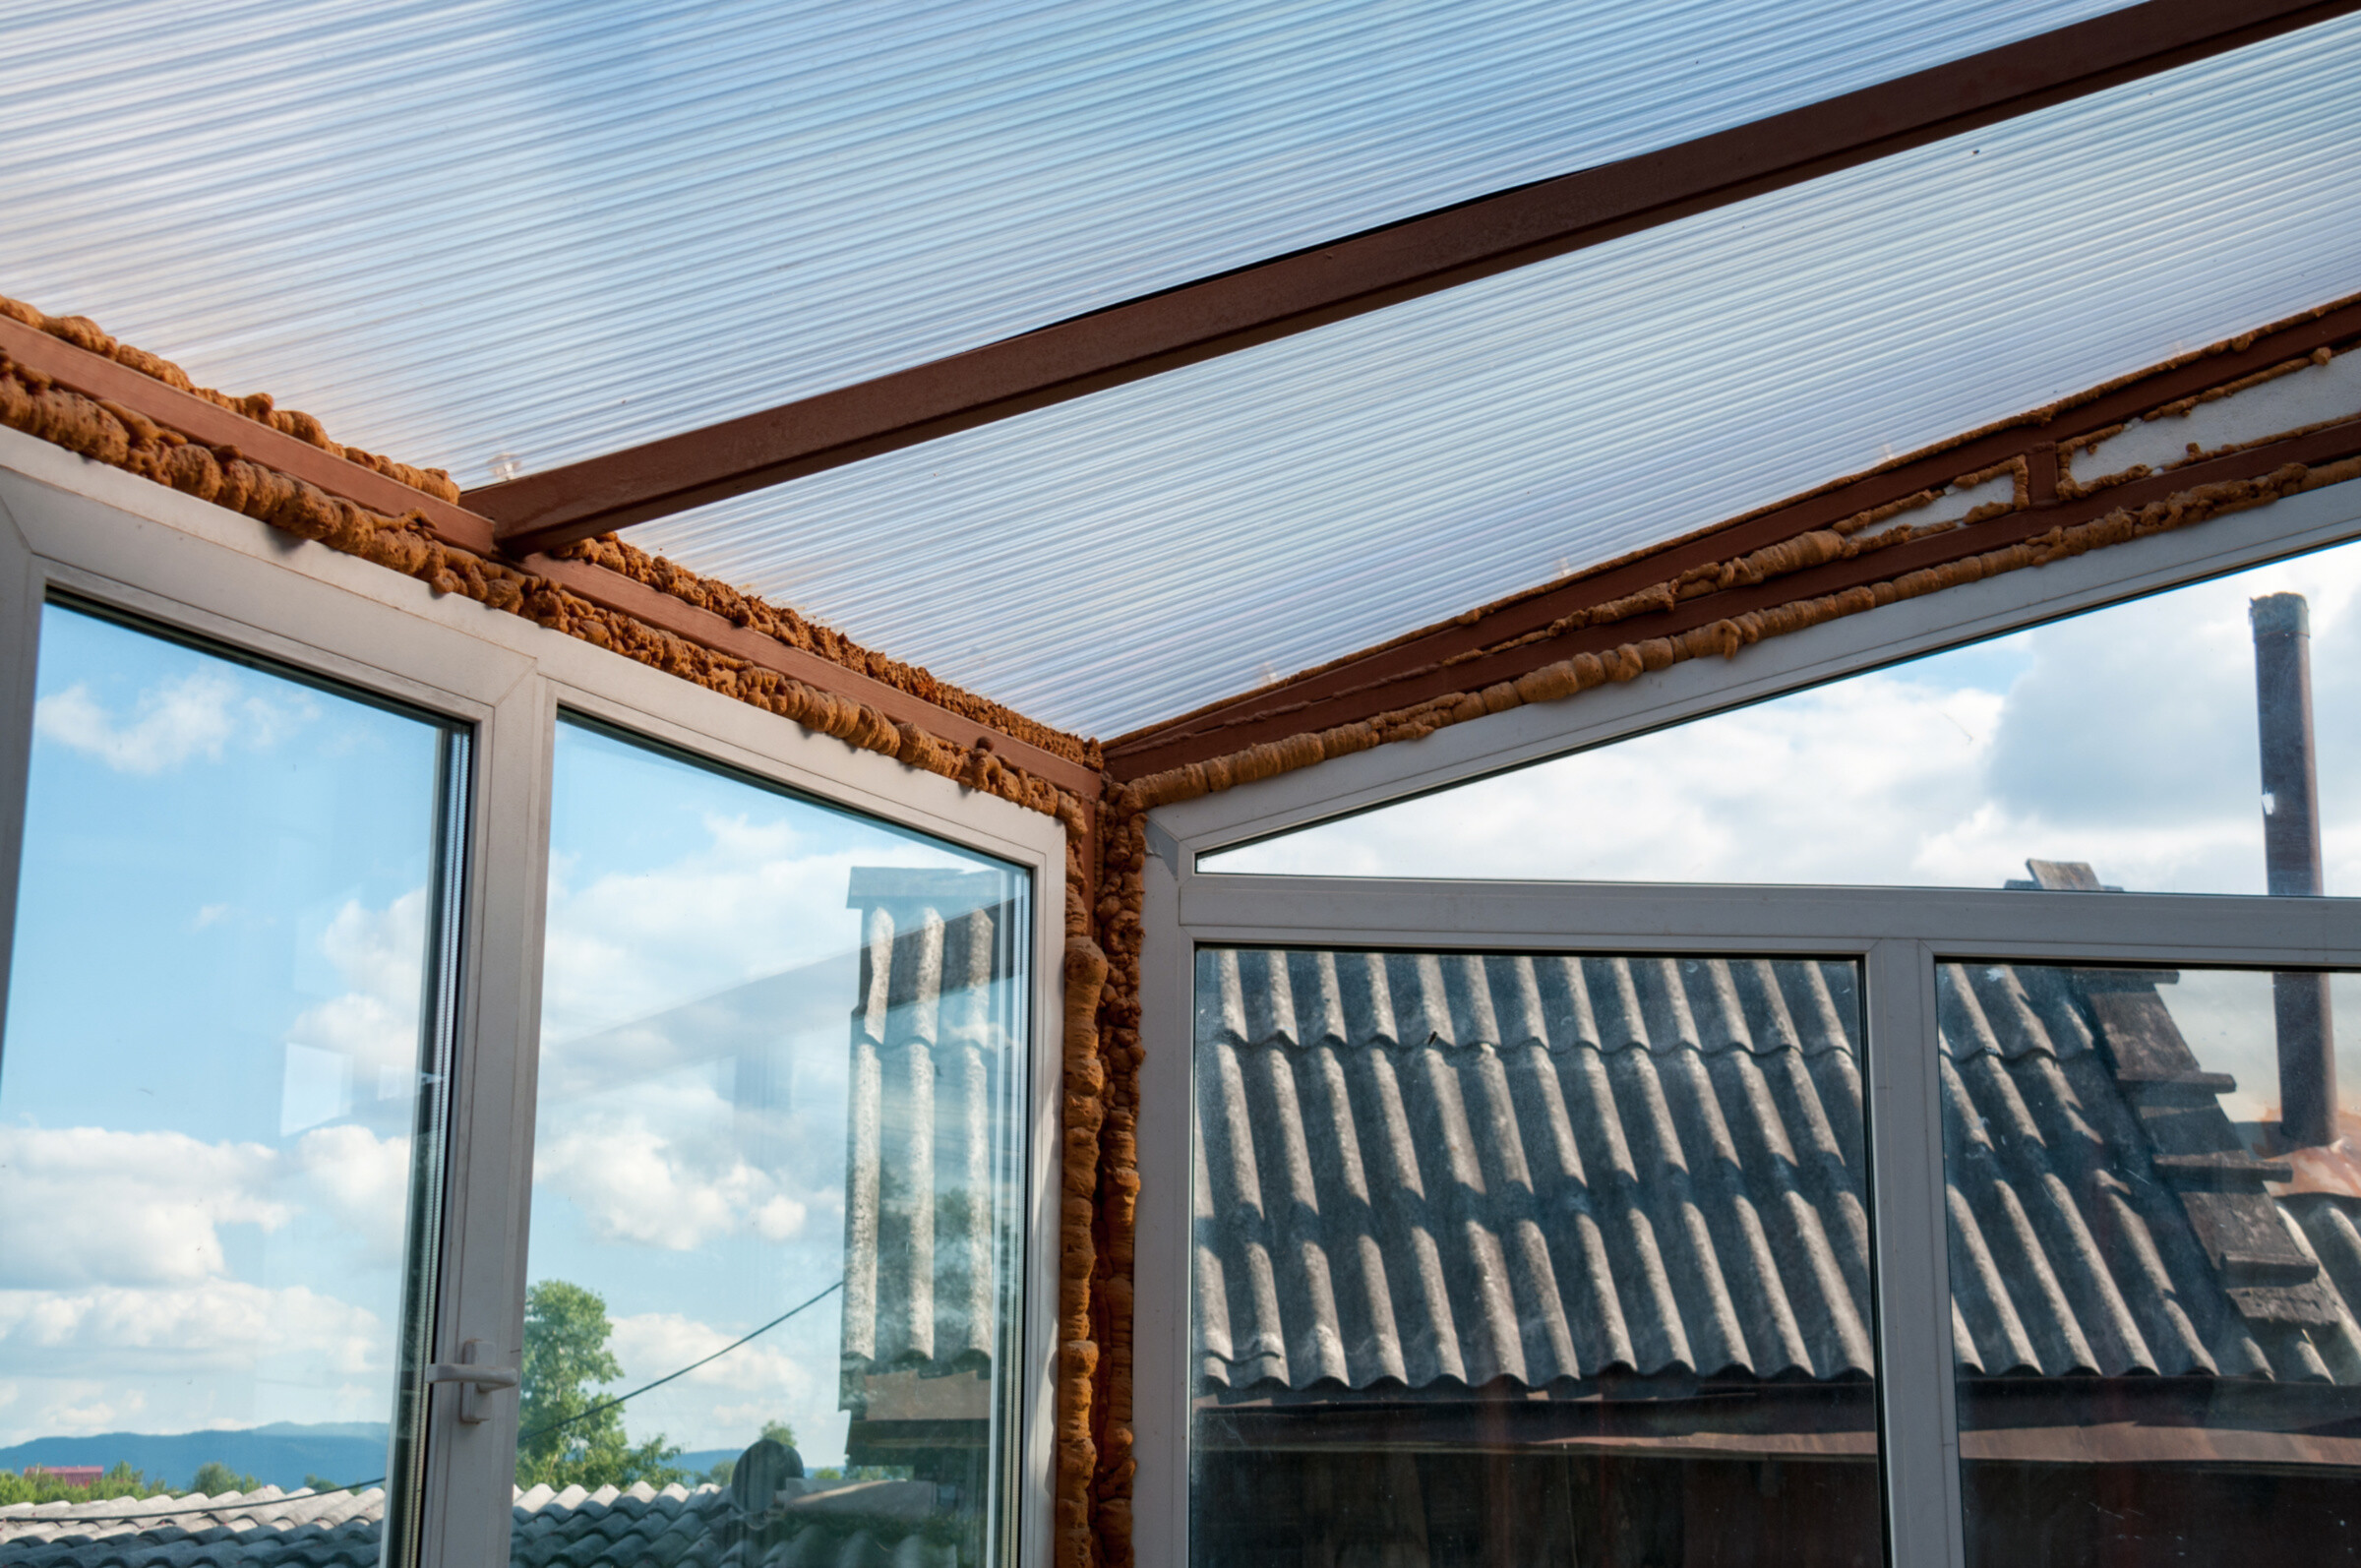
2291,860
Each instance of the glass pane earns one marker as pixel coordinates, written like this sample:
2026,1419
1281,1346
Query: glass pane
775,1272
748,203
2154,1263
1526,1259
1328,492
221,1099
2127,737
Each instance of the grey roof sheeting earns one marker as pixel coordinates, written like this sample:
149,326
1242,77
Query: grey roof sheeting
2060,1130
1417,1168
1428,1170
922,1172
861,1524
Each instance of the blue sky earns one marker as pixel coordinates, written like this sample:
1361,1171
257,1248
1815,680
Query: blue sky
208,1076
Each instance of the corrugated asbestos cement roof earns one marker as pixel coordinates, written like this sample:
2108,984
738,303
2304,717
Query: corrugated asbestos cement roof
929,1058
1427,1172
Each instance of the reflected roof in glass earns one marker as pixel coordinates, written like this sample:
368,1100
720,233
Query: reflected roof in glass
458,231
1109,562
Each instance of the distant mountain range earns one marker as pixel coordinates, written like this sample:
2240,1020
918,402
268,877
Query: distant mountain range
280,1455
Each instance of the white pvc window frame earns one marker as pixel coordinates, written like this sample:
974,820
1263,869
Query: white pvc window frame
1895,934
114,539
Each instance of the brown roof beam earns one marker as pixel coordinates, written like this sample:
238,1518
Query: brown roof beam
1403,688
97,377
1368,272
1470,652
612,591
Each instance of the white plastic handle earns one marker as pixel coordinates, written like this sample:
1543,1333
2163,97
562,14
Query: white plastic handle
474,1381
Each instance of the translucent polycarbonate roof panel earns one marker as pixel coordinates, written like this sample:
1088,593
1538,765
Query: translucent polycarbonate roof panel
1131,555
530,233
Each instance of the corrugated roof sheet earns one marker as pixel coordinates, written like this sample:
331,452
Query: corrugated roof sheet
456,231
1127,557
857,1524
925,1168
1428,1169
1438,1172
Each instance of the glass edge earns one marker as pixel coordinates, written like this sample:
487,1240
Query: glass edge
409,1441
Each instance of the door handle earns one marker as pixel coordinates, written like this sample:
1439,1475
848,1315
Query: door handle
474,1381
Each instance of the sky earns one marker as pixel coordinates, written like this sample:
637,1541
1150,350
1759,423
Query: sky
2124,736
690,1144
211,1059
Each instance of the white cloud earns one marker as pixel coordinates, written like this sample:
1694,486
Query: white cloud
789,1375
756,898
665,1186
221,1325
178,1358
1806,790
358,1051
380,955
2124,738
379,951
196,714
651,1345
359,1180
94,1206
114,1257
90,1205
83,1410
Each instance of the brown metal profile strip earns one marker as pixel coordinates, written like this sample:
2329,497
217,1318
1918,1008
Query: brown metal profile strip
612,591
1452,657
107,382
95,376
1369,271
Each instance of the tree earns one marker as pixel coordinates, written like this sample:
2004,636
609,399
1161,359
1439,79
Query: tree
119,1482
565,1438
215,1478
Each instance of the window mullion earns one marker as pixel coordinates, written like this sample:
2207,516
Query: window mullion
470,1466
1910,1230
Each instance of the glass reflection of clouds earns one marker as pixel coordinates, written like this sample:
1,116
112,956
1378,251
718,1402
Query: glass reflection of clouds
211,1084
699,1144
